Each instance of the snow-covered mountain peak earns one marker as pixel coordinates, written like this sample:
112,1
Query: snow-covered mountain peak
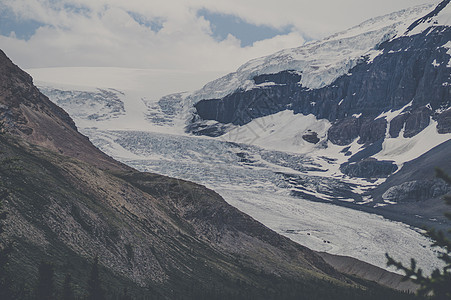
444,17
440,16
373,91
319,62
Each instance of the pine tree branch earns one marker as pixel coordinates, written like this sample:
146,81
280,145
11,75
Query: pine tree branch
441,174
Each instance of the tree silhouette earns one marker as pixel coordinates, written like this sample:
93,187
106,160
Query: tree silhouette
438,284
45,287
5,250
125,295
95,291
68,293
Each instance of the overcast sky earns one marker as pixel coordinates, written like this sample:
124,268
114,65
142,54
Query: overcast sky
204,35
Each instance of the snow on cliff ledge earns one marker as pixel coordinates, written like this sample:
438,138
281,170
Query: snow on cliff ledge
319,62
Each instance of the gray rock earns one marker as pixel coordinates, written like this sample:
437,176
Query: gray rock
418,120
444,122
369,168
372,130
403,73
345,131
279,78
418,190
397,123
311,137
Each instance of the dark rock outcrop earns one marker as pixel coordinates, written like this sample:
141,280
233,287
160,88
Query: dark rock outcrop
418,190
311,137
417,120
285,77
410,69
444,122
344,131
397,124
369,168
419,169
427,18
372,130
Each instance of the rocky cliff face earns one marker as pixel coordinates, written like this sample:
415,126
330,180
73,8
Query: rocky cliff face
386,79
384,90
408,73
410,70
416,190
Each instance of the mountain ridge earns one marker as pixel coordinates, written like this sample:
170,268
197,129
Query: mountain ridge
155,235
395,91
309,58
40,121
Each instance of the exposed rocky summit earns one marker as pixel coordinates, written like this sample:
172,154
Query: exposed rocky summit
403,73
383,88
386,79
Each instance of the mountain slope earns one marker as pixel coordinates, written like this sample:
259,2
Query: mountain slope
157,236
319,63
369,100
399,70
151,235
32,116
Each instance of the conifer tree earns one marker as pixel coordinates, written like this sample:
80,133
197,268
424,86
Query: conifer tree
5,250
68,293
3,213
7,165
438,284
125,295
45,287
95,291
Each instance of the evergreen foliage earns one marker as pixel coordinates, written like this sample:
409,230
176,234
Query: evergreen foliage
5,279
125,295
67,293
95,291
438,284
45,287
5,247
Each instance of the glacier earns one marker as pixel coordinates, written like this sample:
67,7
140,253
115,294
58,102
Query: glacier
276,187
264,168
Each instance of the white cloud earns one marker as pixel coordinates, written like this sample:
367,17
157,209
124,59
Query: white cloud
315,18
103,33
